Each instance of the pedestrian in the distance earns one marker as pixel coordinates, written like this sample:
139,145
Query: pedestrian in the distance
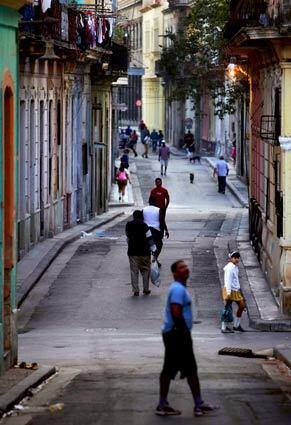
233,149
161,138
128,131
132,142
140,246
232,292
154,138
143,130
179,355
146,143
125,159
221,170
160,195
122,177
155,219
164,156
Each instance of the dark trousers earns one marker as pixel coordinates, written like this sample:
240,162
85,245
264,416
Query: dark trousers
221,184
158,239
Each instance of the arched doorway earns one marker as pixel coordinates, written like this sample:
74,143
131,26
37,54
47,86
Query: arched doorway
8,210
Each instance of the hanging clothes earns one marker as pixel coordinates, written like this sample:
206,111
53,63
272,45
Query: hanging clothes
45,5
111,26
100,31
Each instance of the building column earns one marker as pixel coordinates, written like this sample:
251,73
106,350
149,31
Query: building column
285,143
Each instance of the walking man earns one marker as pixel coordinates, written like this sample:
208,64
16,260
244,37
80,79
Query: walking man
155,219
221,170
179,355
140,247
232,292
160,195
164,156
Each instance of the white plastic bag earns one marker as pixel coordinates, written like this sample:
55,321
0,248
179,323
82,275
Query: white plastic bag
155,273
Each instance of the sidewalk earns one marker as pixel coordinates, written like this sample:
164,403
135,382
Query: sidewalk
16,383
33,265
233,183
236,186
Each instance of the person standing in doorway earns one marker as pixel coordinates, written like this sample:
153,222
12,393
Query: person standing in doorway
140,247
232,293
160,196
154,218
221,170
122,177
179,354
164,156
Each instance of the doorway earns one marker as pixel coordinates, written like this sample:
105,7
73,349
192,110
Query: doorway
8,210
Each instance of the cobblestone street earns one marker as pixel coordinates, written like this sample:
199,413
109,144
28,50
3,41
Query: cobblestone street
82,318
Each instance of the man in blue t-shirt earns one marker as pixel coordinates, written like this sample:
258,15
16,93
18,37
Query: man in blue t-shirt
179,355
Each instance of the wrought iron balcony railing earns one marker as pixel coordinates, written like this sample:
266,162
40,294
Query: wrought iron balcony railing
258,13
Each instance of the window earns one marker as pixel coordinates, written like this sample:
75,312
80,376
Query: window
147,41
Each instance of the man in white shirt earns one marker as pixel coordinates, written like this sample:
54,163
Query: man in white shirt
221,170
155,219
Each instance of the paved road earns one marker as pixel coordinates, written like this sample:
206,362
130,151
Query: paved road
82,317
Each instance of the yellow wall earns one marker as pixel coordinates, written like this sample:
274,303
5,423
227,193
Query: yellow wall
153,90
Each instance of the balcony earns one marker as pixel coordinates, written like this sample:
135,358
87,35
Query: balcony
258,14
176,4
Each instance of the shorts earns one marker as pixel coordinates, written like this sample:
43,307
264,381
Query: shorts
164,162
234,295
179,355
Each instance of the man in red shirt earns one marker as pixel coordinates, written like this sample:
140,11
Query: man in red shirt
160,195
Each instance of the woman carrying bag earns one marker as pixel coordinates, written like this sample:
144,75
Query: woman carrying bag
232,293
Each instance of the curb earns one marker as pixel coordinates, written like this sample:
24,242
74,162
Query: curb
19,391
255,321
283,354
229,185
28,284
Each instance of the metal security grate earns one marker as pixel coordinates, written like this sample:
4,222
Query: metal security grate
240,352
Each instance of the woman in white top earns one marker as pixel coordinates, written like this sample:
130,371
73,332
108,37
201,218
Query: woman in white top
231,291
155,219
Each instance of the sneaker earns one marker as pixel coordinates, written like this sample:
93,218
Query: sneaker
238,328
147,292
228,330
204,408
167,410
136,294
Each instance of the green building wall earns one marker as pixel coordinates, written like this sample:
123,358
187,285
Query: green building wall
8,62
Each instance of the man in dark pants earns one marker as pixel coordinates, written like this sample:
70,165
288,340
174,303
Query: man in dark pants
179,355
140,247
221,170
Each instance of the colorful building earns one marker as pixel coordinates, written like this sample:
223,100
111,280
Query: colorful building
260,42
153,93
8,178
65,153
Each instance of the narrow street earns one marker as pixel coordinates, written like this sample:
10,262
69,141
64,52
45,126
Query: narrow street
107,345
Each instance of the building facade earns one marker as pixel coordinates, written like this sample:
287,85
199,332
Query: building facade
153,87
8,179
260,39
65,157
130,22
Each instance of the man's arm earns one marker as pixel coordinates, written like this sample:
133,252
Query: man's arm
163,224
178,318
167,199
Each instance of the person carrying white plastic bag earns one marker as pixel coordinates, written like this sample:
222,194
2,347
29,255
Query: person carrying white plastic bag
155,273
